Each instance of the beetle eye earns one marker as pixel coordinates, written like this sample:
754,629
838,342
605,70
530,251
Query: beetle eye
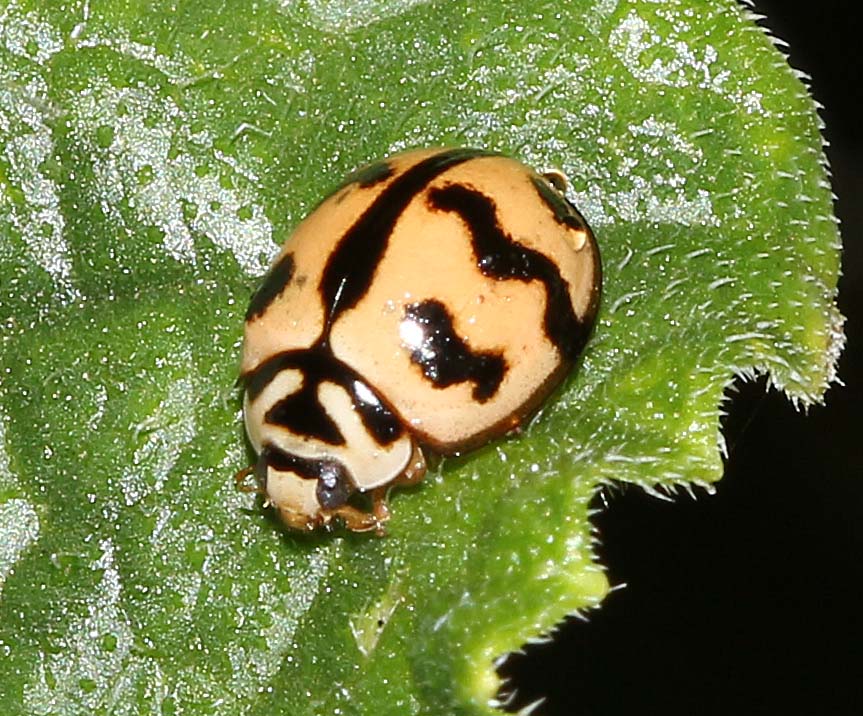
333,489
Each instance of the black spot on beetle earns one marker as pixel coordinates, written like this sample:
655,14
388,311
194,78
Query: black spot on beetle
335,485
564,212
303,414
369,175
376,416
276,280
445,359
351,267
500,257
256,380
372,174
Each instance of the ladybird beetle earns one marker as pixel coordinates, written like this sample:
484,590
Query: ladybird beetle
430,303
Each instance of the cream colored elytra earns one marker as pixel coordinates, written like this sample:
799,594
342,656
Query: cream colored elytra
433,301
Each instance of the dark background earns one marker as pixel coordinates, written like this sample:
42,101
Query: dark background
750,601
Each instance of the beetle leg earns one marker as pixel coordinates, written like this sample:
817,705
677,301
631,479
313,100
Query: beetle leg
380,509
415,470
358,521
242,483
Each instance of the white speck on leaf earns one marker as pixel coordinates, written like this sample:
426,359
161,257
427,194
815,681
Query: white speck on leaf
27,36
344,15
95,670
167,431
168,190
599,14
25,110
19,528
7,479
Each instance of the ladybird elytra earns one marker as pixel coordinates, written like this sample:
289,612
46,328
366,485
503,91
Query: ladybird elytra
432,302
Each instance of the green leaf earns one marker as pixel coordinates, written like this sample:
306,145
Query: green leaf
155,154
